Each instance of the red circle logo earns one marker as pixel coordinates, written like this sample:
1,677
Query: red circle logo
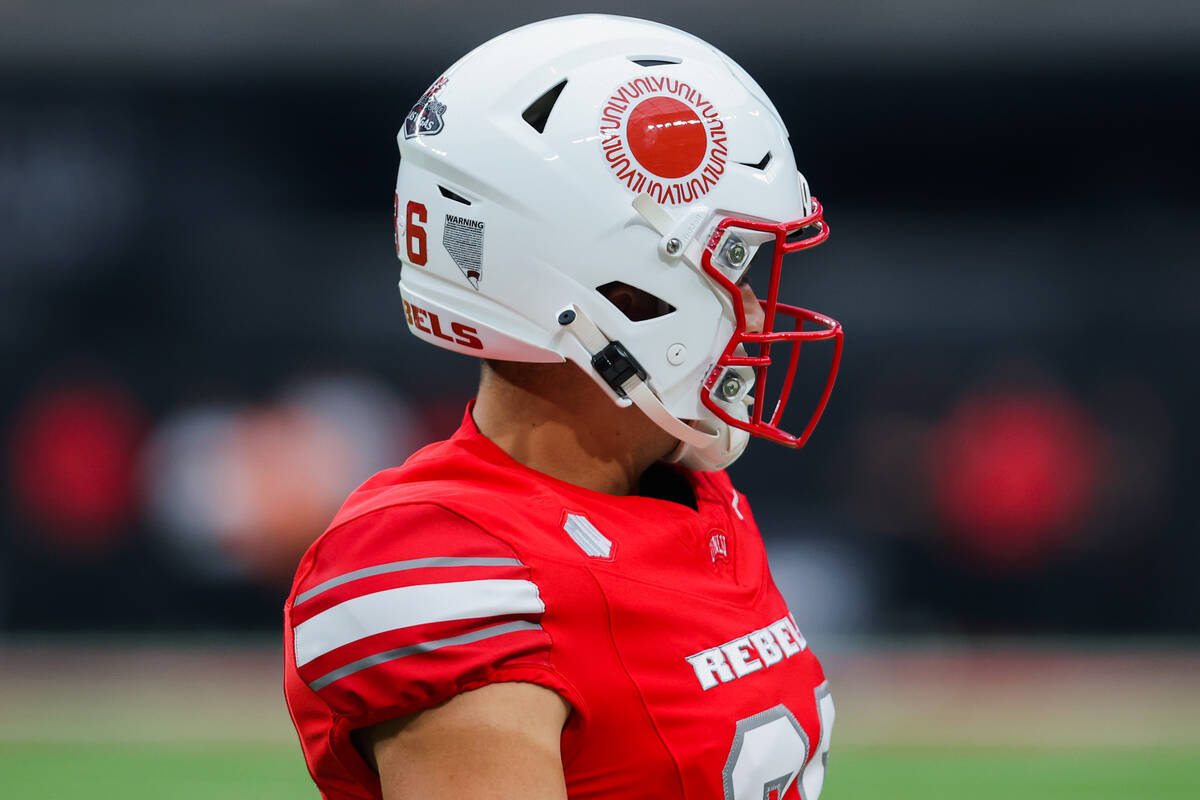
664,137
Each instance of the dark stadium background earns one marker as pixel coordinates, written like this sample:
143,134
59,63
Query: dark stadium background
197,283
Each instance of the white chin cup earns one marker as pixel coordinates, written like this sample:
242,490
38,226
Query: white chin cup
730,442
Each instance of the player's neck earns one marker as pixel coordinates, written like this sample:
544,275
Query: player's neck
556,420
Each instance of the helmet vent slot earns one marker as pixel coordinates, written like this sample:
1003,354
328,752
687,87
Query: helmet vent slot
538,112
655,61
636,304
449,195
761,165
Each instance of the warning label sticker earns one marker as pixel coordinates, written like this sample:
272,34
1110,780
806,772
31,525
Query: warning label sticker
463,240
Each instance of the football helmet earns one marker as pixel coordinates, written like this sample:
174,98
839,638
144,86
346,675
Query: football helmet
569,156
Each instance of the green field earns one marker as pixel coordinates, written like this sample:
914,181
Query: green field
178,772
206,721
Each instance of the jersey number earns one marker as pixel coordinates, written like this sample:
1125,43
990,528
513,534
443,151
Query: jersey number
769,751
414,234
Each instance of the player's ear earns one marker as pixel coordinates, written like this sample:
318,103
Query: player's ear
621,295
634,303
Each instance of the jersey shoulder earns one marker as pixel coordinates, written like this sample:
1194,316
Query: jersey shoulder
399,606
404,602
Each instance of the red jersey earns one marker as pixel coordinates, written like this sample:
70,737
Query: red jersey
658,622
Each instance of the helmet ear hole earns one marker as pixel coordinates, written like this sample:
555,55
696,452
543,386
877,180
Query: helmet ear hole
636,304
538,112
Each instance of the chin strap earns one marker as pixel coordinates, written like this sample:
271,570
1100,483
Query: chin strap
655,215
625,376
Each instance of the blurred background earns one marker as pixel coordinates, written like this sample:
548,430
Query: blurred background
992,535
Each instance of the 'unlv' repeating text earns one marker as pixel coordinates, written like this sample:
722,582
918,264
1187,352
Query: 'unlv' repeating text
664,137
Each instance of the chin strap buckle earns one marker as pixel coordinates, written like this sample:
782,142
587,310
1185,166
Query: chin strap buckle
616,366
622,373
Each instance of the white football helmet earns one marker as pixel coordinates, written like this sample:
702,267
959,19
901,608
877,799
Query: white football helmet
569,155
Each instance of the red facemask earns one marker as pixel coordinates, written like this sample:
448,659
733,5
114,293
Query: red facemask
789,237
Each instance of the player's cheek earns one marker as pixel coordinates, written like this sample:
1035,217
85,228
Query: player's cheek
752,309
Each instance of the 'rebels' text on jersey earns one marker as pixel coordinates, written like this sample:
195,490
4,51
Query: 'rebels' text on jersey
658,622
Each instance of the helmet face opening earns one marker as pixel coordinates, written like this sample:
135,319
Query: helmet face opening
727,260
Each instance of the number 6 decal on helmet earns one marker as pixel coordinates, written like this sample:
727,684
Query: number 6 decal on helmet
769,753
418,247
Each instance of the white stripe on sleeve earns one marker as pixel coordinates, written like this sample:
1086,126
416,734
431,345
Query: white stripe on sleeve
407,606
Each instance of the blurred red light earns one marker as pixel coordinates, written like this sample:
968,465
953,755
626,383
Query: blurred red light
72,462
1014,474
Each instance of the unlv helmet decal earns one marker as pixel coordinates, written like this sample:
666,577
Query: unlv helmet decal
425,119
663,137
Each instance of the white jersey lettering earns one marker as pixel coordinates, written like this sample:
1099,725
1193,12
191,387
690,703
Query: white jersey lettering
756,650
738,654
710,665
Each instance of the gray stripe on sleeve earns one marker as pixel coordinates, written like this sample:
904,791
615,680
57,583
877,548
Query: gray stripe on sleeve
422,647
400,566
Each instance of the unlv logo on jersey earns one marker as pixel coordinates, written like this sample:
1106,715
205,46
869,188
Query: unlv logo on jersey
425,119
718,548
